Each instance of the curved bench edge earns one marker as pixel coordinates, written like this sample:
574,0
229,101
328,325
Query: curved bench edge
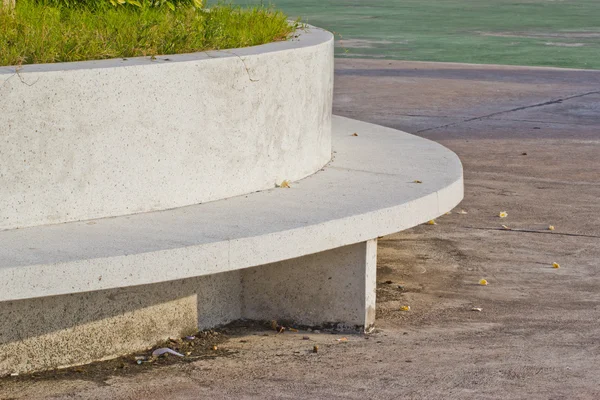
185,260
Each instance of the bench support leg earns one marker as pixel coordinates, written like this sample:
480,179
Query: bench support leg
335,286
332,287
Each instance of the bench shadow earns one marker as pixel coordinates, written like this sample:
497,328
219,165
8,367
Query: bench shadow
62,330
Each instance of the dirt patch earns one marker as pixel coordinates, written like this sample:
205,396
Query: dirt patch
204,345
201,346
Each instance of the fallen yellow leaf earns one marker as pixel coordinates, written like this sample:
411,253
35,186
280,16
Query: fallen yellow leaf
405,308
483,282
503,214
551,228
431,222
506,227
555,265
285,184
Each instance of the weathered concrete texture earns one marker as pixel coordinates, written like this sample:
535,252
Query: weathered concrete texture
320,214
57,331
332,286
336,286
105,138
537,336
367,191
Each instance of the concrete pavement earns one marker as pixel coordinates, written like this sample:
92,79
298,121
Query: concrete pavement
529,140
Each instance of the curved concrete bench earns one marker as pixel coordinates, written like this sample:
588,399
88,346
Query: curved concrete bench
84,291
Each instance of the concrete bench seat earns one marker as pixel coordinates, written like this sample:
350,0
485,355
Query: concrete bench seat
307,253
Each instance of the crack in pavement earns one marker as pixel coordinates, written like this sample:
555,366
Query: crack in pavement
547,103
538,122
507,177
340,110
532,231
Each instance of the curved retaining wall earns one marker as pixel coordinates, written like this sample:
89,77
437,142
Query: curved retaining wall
95,139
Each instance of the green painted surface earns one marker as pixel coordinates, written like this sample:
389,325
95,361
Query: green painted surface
561,33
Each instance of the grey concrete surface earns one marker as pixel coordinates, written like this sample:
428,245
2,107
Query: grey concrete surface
331,287
106,138
60,331
366,191
336,286
328,210
537,335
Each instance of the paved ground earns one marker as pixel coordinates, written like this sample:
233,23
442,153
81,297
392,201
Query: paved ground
538,334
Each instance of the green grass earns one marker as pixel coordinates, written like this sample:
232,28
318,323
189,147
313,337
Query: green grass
561,33
36,33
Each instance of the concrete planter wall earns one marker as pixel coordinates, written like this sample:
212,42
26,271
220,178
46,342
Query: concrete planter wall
106,138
